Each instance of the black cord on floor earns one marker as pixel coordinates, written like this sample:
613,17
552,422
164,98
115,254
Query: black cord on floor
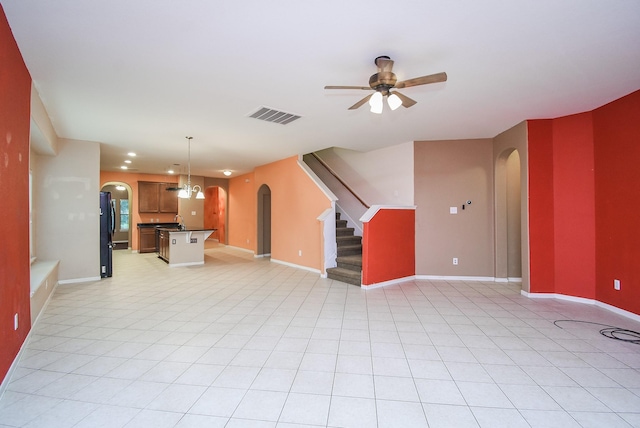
611,332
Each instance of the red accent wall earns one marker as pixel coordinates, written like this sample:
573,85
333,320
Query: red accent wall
388,246
617,195
573,206
583,204
541,218
15,87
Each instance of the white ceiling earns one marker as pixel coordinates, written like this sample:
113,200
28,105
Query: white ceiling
141,75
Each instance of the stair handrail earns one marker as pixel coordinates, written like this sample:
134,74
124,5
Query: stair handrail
346,186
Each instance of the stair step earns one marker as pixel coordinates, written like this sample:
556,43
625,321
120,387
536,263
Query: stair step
352,262
344,231
349,250
345,275
341,223
348,240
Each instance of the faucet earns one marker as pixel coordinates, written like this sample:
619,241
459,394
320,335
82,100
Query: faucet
182,226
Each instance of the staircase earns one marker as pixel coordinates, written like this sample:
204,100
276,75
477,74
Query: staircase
349,258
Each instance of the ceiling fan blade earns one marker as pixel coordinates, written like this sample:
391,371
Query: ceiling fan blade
432,78
406,101
366,88
361,102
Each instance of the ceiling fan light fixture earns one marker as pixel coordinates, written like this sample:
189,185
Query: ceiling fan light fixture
394,101
376,103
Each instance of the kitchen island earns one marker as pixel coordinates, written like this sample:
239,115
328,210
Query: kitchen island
182,247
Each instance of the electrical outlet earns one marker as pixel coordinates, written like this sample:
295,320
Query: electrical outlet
193,213
616,284
455,261
300,253
15,321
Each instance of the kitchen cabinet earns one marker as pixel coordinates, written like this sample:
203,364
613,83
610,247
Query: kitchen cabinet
155,198
147,239
163,245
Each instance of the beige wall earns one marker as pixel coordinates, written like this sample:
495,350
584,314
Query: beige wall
503,145
67,209
43,137
192,210
379,177
514,215
447,174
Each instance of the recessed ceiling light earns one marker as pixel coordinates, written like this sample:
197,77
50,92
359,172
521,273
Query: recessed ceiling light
131,154
127,161
124,167
226,172
170,171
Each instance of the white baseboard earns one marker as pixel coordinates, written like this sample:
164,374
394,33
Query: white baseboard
77,280
280,262
584,301
240,249
390,282
457,278
186,264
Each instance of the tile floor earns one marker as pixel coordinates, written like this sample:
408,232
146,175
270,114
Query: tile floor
242,342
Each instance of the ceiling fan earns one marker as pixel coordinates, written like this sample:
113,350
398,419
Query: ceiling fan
384,81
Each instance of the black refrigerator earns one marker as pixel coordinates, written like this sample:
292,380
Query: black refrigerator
107,225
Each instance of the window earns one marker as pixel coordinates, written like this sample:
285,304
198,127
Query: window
124,215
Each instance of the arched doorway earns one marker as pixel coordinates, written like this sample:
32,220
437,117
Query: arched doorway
264,221
508,216
121,195
215,208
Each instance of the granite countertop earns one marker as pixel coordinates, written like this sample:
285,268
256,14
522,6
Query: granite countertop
157,225
174,230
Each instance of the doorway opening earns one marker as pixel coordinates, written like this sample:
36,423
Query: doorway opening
121,197
215,209
508,217
264,221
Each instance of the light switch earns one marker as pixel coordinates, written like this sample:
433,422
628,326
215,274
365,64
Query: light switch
453,210
193,213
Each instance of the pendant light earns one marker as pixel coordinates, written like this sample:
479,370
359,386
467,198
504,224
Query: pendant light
187,190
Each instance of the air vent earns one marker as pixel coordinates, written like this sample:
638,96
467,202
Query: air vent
275,116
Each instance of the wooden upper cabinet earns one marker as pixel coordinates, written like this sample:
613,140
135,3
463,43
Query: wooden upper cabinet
155,198
168,198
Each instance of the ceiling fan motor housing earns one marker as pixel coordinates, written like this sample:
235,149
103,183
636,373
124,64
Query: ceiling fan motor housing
383,81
